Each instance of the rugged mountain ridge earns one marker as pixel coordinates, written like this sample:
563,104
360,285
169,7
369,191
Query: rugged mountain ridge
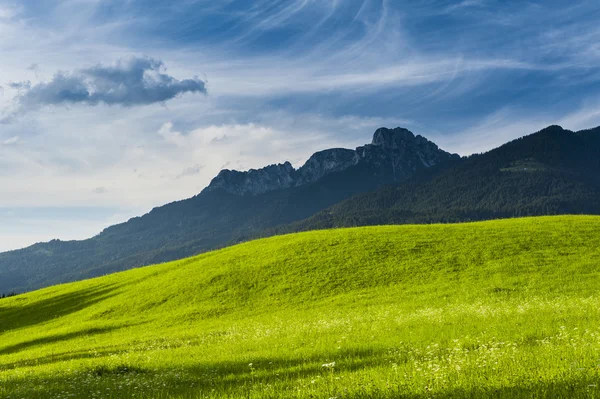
397,153
551,172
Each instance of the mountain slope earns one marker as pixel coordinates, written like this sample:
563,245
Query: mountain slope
554,171
235,206
492,309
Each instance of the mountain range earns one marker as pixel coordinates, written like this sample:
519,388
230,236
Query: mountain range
398,178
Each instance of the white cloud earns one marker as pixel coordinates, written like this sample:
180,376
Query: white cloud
8,11
11,140
459,6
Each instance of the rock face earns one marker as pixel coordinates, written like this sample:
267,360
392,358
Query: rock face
401,153
272,177
325,162
395,152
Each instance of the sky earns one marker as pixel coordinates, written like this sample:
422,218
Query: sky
110,108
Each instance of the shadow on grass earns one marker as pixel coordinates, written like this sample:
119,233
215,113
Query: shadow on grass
56,358
239,379
55,338
15,317
309,366
98,352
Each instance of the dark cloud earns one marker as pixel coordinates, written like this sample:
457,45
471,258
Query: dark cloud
34,68
20,85
131,82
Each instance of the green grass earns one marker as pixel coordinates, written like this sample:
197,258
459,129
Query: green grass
505,308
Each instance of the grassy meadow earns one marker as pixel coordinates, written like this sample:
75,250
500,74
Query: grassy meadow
502,309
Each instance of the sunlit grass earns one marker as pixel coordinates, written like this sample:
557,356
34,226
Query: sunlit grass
502,309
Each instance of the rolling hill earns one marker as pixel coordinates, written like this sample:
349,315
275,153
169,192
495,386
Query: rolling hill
504,308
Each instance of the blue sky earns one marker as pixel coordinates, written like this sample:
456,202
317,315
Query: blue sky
109,108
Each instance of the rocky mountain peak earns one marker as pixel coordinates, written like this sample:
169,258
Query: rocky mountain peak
396,153
325,162
392,138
